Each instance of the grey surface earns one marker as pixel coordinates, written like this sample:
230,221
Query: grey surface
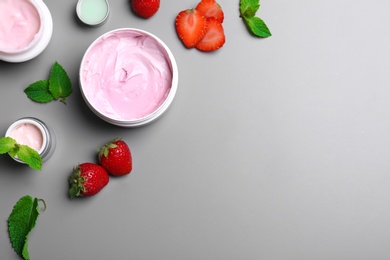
272,149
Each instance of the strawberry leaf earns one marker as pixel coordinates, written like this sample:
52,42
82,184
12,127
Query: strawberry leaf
20,223
60,85
257,27
76,183
39,91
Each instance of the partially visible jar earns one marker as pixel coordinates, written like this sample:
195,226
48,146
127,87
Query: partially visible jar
34,133
26,28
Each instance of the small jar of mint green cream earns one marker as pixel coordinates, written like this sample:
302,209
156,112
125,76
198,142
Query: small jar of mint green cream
93,12
34,133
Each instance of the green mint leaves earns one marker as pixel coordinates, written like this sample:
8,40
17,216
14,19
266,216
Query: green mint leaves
25,153
57,87
21,221
59,83
39,92
255,25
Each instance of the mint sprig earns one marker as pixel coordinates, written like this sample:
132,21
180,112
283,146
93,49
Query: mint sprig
57,87
255,25
25,153
21,222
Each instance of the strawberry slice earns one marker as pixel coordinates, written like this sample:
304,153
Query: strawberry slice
214,37
211,9
190,27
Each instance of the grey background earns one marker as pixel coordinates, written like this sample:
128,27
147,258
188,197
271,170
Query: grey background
272,149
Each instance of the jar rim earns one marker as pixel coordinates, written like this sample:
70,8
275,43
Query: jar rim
32,121
93,24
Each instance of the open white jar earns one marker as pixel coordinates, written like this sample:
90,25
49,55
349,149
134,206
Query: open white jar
26,28
128,77
34,133
93,12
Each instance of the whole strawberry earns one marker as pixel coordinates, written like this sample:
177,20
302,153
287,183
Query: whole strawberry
115,157
145,8
87,179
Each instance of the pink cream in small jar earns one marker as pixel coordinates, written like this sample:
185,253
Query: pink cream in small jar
25,29
34,133
128,77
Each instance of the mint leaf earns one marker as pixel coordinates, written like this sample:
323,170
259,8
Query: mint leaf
25,153
30,156
7,144
39,91
21,222
257,27
60,85
57,87
248,8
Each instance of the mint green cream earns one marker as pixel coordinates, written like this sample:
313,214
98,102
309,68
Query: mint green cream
92,12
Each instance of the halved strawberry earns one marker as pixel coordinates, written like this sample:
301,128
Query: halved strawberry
214,38
211,9
190,27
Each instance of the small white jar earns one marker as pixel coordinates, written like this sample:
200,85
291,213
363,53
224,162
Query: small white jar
15,25
93,12
34,133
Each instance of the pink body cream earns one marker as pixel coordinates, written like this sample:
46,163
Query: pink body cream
28,134
34,133
25,29
19,24
128,77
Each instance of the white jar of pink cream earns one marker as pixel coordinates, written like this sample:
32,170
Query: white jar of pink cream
26,28
34,133
128,77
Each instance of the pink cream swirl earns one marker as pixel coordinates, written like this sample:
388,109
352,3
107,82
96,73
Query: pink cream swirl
126,74
20,22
